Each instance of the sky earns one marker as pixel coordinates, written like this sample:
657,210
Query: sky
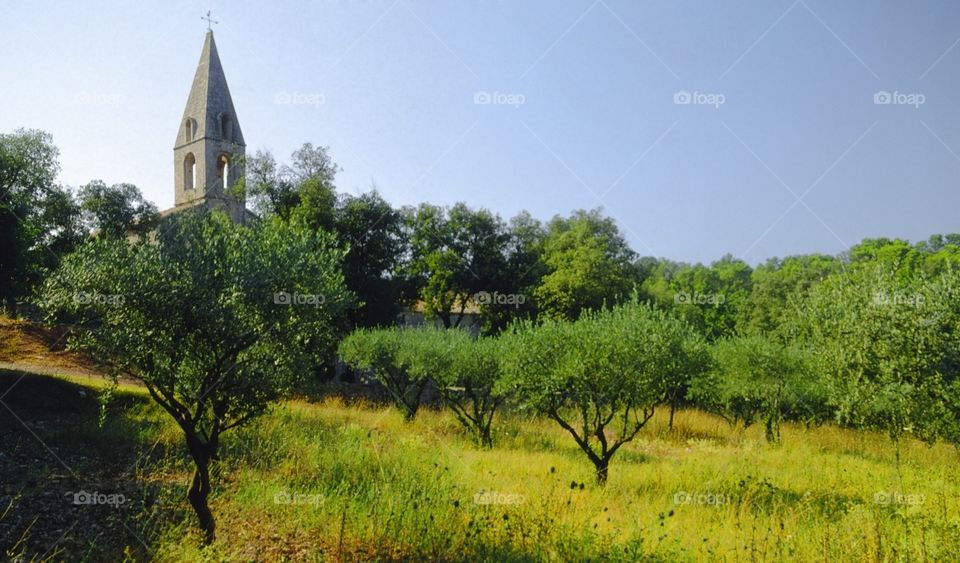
758,128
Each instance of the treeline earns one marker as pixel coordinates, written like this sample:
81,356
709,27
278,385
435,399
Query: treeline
446,260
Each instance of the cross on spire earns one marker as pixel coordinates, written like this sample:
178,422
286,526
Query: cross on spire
209,20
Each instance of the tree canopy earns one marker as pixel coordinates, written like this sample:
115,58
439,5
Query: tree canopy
599,377
215,331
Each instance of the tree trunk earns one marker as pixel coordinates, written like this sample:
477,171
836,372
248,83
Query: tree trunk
486,440
412,396
411,402
603,465
199,492
673,408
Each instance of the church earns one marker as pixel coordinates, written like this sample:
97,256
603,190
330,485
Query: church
209,150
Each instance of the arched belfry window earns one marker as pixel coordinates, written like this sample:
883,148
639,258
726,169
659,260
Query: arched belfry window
223,170
189,171
226,127
189,129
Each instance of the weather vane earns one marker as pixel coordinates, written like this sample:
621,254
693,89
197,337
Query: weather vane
209,20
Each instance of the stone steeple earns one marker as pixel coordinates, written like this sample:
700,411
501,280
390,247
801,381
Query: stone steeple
209,149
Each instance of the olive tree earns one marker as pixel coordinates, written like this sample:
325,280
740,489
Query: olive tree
886,343
217,320
379,351
688,359
465,370
599,377
754,378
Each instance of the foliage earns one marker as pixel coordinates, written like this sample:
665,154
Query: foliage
524,271
456,253
38,219
465,370
599,377
886,344
710,298
116,210
589,266
316,207
203,326
755,378
278,190
777,287
688,358
372,232
380,351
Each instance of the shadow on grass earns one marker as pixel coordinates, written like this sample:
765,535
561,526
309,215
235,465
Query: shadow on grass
763,496
70,488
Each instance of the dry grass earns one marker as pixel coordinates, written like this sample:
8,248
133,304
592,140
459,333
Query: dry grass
338,481
374,486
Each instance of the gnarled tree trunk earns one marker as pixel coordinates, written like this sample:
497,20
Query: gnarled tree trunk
199,492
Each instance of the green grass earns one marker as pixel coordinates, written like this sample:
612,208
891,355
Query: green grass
365,485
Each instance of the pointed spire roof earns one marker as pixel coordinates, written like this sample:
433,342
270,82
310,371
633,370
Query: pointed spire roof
210,97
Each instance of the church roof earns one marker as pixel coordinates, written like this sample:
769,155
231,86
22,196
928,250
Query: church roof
210,97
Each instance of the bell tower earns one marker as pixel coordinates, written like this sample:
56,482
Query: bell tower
208,153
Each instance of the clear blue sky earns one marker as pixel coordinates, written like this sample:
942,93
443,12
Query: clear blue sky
390,87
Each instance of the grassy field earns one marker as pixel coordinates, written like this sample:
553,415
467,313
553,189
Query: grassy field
331,481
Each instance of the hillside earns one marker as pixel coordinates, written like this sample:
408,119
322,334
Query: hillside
35,348
31,344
